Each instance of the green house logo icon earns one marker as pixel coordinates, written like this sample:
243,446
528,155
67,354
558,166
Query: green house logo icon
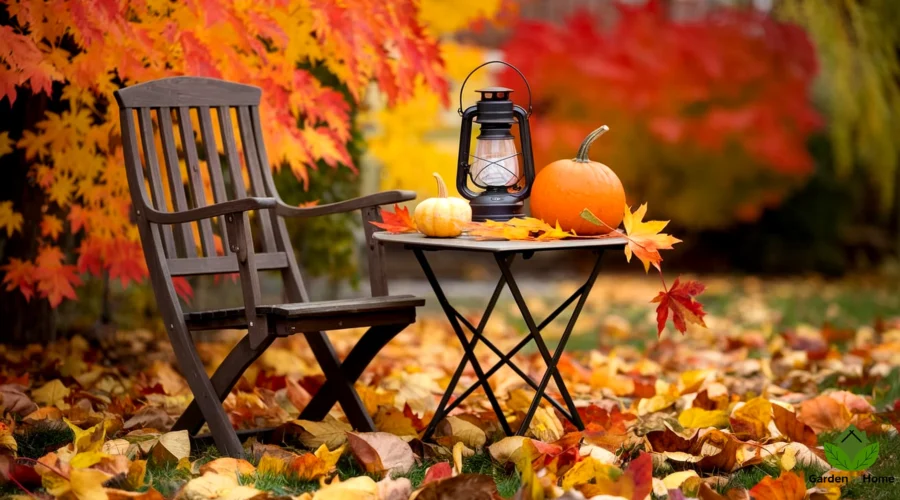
851,451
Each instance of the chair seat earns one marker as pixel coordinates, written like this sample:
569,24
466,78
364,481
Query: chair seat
342,312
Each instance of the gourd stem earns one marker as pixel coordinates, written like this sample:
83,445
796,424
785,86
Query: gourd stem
442,188
582,156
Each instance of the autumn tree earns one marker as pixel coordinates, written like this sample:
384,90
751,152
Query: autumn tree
64,204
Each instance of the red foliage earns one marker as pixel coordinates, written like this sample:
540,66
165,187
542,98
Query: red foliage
737,77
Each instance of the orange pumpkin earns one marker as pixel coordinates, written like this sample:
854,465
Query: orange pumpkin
564,188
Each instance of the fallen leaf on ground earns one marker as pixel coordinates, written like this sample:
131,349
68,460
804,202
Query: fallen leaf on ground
381,453
788,486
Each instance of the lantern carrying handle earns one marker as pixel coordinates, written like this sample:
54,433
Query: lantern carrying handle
460,110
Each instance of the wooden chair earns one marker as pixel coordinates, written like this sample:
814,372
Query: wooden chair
167,237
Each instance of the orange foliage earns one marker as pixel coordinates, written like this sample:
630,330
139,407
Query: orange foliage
88,49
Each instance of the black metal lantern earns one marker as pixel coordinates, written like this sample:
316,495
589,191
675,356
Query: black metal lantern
495,166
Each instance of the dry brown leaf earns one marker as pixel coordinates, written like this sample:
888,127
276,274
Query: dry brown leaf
381,453
460,430
228,466
795,430
824,413
331,432
171,447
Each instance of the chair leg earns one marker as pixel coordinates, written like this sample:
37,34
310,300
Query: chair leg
225,437
340,376
225,377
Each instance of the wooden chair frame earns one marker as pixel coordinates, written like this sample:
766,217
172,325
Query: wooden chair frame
170,250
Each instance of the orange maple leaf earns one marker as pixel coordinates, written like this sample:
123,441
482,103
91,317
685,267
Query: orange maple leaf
788,486
51,226
644,238
397,221
55,280
680,300
19,274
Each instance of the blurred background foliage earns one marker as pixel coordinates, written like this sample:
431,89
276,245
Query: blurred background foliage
766,131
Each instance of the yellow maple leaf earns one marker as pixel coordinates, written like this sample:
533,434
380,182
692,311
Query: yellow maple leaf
698,418
88,440
51,394
9,219
644,238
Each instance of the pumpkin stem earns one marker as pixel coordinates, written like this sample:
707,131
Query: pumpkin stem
442,188
582,156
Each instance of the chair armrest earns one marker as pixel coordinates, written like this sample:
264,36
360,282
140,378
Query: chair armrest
372,200
219,209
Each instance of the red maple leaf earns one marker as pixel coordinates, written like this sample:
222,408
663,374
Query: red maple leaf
680,300
397,221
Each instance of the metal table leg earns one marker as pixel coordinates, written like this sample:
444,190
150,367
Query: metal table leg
504,263
468,348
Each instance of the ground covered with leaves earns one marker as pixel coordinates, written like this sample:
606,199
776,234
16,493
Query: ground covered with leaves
747,408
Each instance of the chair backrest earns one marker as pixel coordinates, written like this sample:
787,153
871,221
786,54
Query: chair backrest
211,169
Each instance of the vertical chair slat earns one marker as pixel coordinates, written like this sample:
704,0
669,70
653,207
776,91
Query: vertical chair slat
215,168
231,154
176,186
193,168
153,172
294,289
251,157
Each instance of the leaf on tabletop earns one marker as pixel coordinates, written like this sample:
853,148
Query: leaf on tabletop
788,486
398,221
679,299
519,228
380,452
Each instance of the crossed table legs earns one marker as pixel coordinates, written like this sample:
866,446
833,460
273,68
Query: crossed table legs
504,262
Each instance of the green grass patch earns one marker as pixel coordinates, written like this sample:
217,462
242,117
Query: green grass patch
508,480
42,439
166,479
887,465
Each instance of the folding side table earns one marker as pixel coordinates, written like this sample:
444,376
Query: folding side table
504,253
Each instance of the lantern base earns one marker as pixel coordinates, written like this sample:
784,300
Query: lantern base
497,206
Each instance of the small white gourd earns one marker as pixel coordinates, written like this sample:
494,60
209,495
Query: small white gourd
444,216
